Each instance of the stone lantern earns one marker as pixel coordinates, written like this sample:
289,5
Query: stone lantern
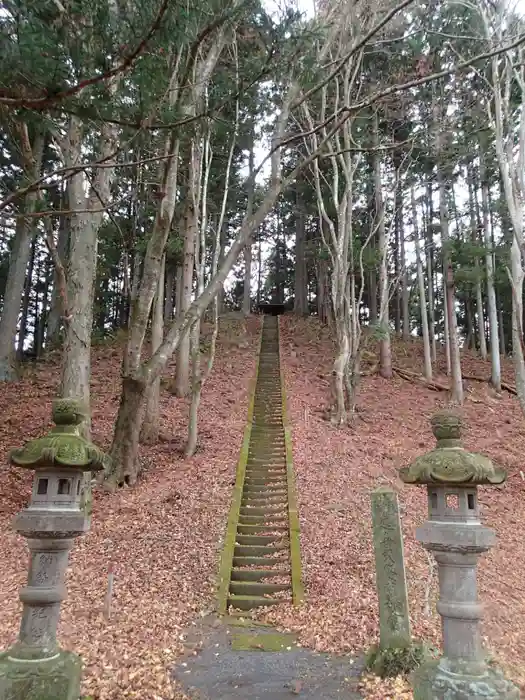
35,668
456,538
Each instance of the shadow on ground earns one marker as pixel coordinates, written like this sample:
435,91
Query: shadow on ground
230,664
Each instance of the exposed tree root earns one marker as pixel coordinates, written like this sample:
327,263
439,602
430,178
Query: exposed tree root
437,386
414,377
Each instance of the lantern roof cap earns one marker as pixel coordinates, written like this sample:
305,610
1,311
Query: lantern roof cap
63,447
449,462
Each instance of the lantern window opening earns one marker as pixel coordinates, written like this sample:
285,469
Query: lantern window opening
42,487
452,501
471,501
78,488
64,487
433,499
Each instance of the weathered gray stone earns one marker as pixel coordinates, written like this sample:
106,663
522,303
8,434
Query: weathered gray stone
55,679
35,668
394,622
456,538
434,681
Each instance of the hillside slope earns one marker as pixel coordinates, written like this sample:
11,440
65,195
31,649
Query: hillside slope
162,536
337,468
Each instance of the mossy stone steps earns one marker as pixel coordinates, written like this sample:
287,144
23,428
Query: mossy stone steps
262,518
258,540
255,550
243,574
263,501
265,489
249,602
240,562
256,588
250,528
261,560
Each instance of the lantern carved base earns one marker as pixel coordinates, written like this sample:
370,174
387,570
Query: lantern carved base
56,678
435,681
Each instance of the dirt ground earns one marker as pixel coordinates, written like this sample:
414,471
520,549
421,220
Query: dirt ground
337,468
163,537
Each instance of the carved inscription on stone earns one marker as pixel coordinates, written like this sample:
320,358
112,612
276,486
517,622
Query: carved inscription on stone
394,624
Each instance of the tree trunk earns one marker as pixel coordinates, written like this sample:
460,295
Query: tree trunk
18,260
125,446
430,272
372,233
54,325
81,268
340,366
517,321
84,224
151,423
170,290
456,389
403,281
22,332
182,374
301,275
222,254
259,272
385,351
247,286
427,364
446,332
495,363
323,294
474,236
40,327
501,327
397,277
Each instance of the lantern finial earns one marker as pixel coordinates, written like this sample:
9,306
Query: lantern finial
447,426
68,412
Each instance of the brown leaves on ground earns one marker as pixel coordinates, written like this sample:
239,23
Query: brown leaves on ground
337,468
163,537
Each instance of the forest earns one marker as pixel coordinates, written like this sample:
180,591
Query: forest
168,168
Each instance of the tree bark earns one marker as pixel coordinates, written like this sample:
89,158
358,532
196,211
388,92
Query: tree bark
124,462
301,274
22,331
427,363
403,281
517,320
430,272
495,363
54,325
81,269
19,256
385,351
182,372
247,280
247,287
170,290
151,423
455,361
474,237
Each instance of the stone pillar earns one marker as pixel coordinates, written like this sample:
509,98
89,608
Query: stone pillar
35,668
394,621
456,538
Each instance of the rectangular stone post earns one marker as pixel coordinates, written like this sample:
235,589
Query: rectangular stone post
394,622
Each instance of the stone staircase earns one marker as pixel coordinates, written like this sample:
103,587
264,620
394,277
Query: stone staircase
261,573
